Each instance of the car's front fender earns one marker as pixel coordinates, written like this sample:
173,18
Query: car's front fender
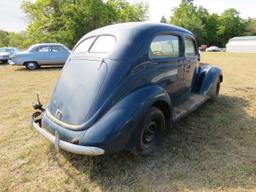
114,130
205,78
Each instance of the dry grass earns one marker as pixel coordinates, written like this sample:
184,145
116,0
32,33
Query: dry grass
213,149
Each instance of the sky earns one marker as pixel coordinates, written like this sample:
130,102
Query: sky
13,19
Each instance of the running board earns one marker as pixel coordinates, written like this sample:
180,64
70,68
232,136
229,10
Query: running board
192,103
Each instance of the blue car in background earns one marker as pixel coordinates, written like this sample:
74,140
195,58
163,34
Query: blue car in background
5,53
122,86
41,54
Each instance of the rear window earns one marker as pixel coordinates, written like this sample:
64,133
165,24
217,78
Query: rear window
102,44
84,45
189,47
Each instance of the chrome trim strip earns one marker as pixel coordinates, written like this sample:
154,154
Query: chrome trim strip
61,123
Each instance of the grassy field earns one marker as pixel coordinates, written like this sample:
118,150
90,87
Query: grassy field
213,149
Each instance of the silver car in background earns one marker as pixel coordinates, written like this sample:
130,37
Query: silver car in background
213,49
41,54
5,53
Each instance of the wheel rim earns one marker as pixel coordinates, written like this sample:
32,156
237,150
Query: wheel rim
31,65
149,134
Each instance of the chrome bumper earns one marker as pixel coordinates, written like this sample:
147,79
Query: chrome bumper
11,62
73,148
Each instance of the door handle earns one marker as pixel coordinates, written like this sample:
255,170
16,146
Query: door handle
187,68
180,60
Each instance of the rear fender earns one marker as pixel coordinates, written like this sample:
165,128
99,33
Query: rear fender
113,131
205,79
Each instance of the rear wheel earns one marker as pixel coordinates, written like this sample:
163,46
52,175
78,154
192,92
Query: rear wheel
148,134
32,65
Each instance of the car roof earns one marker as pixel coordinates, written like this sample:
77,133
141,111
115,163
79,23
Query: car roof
47,44
131,36
132,28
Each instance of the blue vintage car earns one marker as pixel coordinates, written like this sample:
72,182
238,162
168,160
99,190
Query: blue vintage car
41,54
122,86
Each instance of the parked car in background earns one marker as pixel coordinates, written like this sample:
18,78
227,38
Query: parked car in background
41,54
203,47
5,53
122,86
213,49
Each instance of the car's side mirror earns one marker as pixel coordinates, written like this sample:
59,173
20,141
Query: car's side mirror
198,57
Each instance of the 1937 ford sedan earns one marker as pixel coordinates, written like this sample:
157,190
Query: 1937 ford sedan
122,86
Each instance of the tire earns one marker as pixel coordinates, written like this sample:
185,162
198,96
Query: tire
216,90
148,135
32,65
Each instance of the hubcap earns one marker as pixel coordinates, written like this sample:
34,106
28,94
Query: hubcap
149,133
31,66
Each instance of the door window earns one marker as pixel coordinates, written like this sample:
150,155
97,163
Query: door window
190,47
164,46
43,49
57,48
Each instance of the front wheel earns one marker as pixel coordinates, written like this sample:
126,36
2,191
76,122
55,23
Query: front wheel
32,65
148,134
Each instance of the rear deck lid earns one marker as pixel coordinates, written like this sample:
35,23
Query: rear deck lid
77,89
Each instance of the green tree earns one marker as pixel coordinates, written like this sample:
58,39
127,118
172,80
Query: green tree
4,38
250,28
187,16
126,12
211,26
230,24
66,21
18,39
210,29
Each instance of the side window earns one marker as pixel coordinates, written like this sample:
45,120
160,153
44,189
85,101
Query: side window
190,47
57,48
164,46
43,49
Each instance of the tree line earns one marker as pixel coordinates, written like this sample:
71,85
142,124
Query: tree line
211,29
66,21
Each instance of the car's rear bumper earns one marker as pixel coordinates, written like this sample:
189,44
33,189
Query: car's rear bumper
4,58
67,146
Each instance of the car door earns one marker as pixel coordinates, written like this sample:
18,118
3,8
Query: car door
166,68
41,54
190,62
58,54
